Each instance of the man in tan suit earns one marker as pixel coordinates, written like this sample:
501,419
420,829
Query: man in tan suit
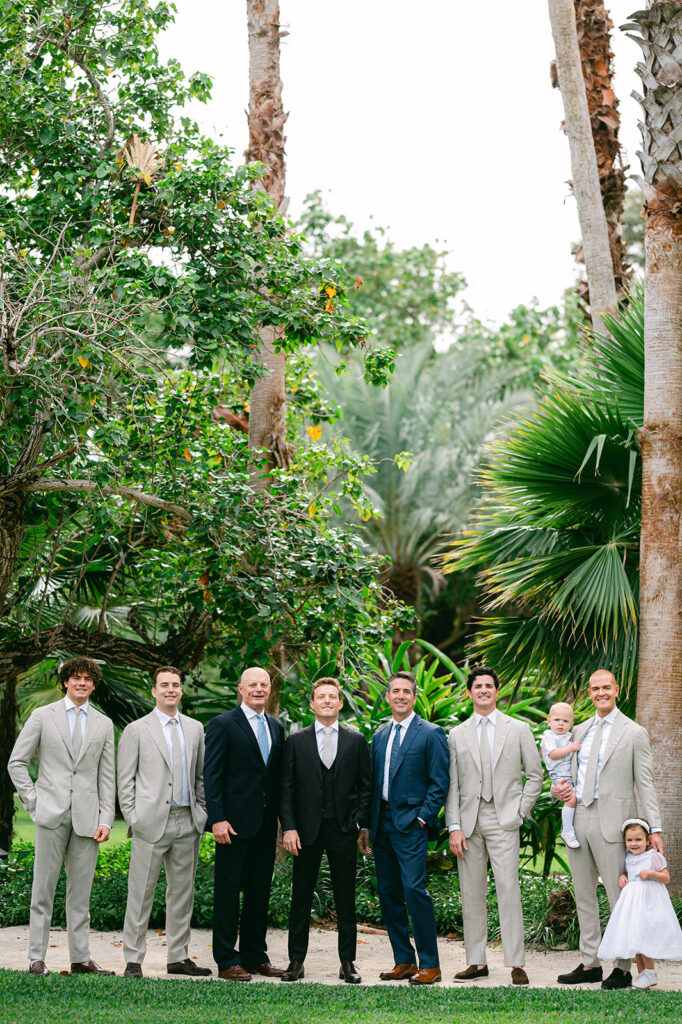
486,805
72,804
614,758
161,793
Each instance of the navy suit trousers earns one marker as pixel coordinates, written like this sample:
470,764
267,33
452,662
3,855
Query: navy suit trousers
400,859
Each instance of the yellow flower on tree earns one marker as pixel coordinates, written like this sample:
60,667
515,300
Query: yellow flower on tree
315,432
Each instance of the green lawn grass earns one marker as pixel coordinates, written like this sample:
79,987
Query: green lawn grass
70,1000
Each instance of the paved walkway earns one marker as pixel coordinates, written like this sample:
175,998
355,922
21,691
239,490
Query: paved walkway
322,965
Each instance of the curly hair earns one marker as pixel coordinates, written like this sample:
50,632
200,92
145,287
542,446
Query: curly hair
78,666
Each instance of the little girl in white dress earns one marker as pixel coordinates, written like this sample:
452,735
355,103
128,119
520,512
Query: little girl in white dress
643,923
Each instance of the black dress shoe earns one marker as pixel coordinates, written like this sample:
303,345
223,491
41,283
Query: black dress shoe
293,972
618,978
581,976
189,968
133,971
348,971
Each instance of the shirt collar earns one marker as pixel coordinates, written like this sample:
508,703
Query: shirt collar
492,717
607,718
164,718
251,714
69,704
319,727
405,722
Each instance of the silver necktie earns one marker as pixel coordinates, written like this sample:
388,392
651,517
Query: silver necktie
487,787
177,762
328,747
77,736
590,783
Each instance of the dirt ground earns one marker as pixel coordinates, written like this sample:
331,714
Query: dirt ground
321,965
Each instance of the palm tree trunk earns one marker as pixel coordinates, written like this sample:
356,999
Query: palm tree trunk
8,735
594,41
659,692
586,185
267,403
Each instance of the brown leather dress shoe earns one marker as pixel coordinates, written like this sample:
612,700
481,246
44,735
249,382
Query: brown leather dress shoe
519,976
267,969
38,968
426,976
399,972
189,968
472,972
90,968
234,973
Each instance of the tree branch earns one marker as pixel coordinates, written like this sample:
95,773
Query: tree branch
129,493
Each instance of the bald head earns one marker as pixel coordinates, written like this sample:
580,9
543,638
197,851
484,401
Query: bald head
254,687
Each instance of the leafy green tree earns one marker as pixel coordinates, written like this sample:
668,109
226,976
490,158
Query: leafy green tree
555,537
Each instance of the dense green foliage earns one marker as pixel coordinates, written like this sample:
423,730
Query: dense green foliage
555,536
117,1001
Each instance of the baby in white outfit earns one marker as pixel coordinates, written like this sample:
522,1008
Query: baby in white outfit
557,752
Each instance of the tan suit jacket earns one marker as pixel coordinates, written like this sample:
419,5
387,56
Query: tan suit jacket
84,787
626,781
144,776
515,754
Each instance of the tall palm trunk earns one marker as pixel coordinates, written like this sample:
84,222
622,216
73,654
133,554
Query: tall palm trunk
594,41
659,692
586,185
267,404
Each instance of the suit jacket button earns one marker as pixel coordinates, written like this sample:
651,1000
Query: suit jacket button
167,801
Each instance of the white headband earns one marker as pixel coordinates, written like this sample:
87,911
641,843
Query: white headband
636,821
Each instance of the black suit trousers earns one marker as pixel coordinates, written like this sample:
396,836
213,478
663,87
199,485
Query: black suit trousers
244,865
340,848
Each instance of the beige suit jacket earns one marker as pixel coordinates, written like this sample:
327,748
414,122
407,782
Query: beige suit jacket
515,755
85,787
626,779
145,780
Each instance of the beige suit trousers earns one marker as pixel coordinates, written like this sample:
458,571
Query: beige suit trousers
595,855
489,839
79,853
178,850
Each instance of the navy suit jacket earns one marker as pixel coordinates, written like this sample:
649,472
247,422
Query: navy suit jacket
421,779
239,787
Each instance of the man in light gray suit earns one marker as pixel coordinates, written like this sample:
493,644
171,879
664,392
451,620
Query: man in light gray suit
161,793
72,804
614,759
486,805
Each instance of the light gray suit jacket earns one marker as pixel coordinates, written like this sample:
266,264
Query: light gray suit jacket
85,787
626,778
144,775
515,755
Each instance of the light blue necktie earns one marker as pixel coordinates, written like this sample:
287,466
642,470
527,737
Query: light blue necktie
395,750
263,738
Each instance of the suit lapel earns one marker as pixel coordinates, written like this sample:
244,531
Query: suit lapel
156,732
310,747
501,731
579,734
408,740
244,724
472,741
188,733
91,725
63,725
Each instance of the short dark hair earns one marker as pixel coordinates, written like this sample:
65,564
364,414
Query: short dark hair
402,675
482,670
324,681
166,668
75,666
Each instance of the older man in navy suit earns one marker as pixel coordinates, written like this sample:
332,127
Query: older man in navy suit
410,763
242,769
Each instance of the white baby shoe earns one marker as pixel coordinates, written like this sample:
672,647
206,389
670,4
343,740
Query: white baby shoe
571,840
645,979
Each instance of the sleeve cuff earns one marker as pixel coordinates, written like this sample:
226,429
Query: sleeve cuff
454,828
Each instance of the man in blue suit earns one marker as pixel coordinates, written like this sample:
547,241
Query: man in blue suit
410,763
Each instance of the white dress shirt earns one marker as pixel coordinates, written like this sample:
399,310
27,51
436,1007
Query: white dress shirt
404,725
168,734
252,719
72,712
492,724
586,747
320,736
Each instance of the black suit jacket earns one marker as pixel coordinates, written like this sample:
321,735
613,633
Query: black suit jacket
239,787
301,798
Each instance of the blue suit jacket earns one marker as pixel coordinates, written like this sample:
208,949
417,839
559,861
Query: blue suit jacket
421,779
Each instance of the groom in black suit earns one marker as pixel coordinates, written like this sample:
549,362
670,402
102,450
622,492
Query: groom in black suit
242,768
326,790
